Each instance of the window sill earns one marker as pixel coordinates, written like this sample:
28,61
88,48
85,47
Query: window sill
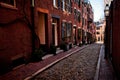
8,6
55,7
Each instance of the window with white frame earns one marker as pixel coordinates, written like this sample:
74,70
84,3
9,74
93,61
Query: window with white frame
67,5
63,5
79,16
63,30
75,13
69,29
55,3
9,2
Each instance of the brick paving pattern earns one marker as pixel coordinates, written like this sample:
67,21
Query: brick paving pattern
29,69
106,69
79,66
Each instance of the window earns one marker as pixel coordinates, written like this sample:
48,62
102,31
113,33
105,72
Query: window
79,33
10,2
75,13
63,5
69,29
79,16
55,3
66,30
98,32
83,21
79,3
67,5
63,30
98,38
98,28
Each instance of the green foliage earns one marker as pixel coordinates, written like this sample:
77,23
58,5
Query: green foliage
53,49
70,46
63,46
80,44
79,33
37,55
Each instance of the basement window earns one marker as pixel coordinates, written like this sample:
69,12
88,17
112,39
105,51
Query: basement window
8,3
18,61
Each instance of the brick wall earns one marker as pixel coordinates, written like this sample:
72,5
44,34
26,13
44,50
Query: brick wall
15,35
63,16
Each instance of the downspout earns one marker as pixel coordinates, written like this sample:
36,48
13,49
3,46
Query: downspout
35,38
33,27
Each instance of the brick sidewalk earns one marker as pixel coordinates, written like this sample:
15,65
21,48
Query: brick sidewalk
106,71
31,69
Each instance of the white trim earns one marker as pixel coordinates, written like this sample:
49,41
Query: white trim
6,5
69,21
54,3
64,21
74,25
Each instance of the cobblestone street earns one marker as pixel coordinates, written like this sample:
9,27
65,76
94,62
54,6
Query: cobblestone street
79,66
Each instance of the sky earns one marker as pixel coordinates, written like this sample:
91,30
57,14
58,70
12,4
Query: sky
98,9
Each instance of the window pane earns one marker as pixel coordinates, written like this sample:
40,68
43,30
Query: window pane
63,29
98,32
69,29
11,2
55,3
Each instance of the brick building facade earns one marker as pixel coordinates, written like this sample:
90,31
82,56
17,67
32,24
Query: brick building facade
112,35
15,33
29,24
100,30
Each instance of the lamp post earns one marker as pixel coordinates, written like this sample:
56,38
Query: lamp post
33,3
106,11
32,25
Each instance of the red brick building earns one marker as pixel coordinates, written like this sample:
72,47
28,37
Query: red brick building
15,32
87,23
112,36
29,24
63,18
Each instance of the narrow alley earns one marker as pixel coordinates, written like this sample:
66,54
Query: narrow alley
59,39
79,66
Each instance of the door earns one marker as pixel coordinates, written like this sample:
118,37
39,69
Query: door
54,34
74,35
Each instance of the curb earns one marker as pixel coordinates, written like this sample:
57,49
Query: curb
98,64
49,65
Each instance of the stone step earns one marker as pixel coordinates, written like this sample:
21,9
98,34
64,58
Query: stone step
58,48
59,51
47,56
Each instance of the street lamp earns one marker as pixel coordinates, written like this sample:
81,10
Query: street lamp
106,11
33,3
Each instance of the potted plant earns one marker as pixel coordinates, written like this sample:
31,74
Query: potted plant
53,49
37,55
63,46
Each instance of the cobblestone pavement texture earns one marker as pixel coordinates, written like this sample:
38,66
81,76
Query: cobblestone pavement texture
79,66
106,69
27,70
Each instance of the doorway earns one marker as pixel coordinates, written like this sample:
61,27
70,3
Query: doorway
55,32
74,36
41,29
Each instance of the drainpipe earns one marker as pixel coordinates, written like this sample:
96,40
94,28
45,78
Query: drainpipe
33,28
32,12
